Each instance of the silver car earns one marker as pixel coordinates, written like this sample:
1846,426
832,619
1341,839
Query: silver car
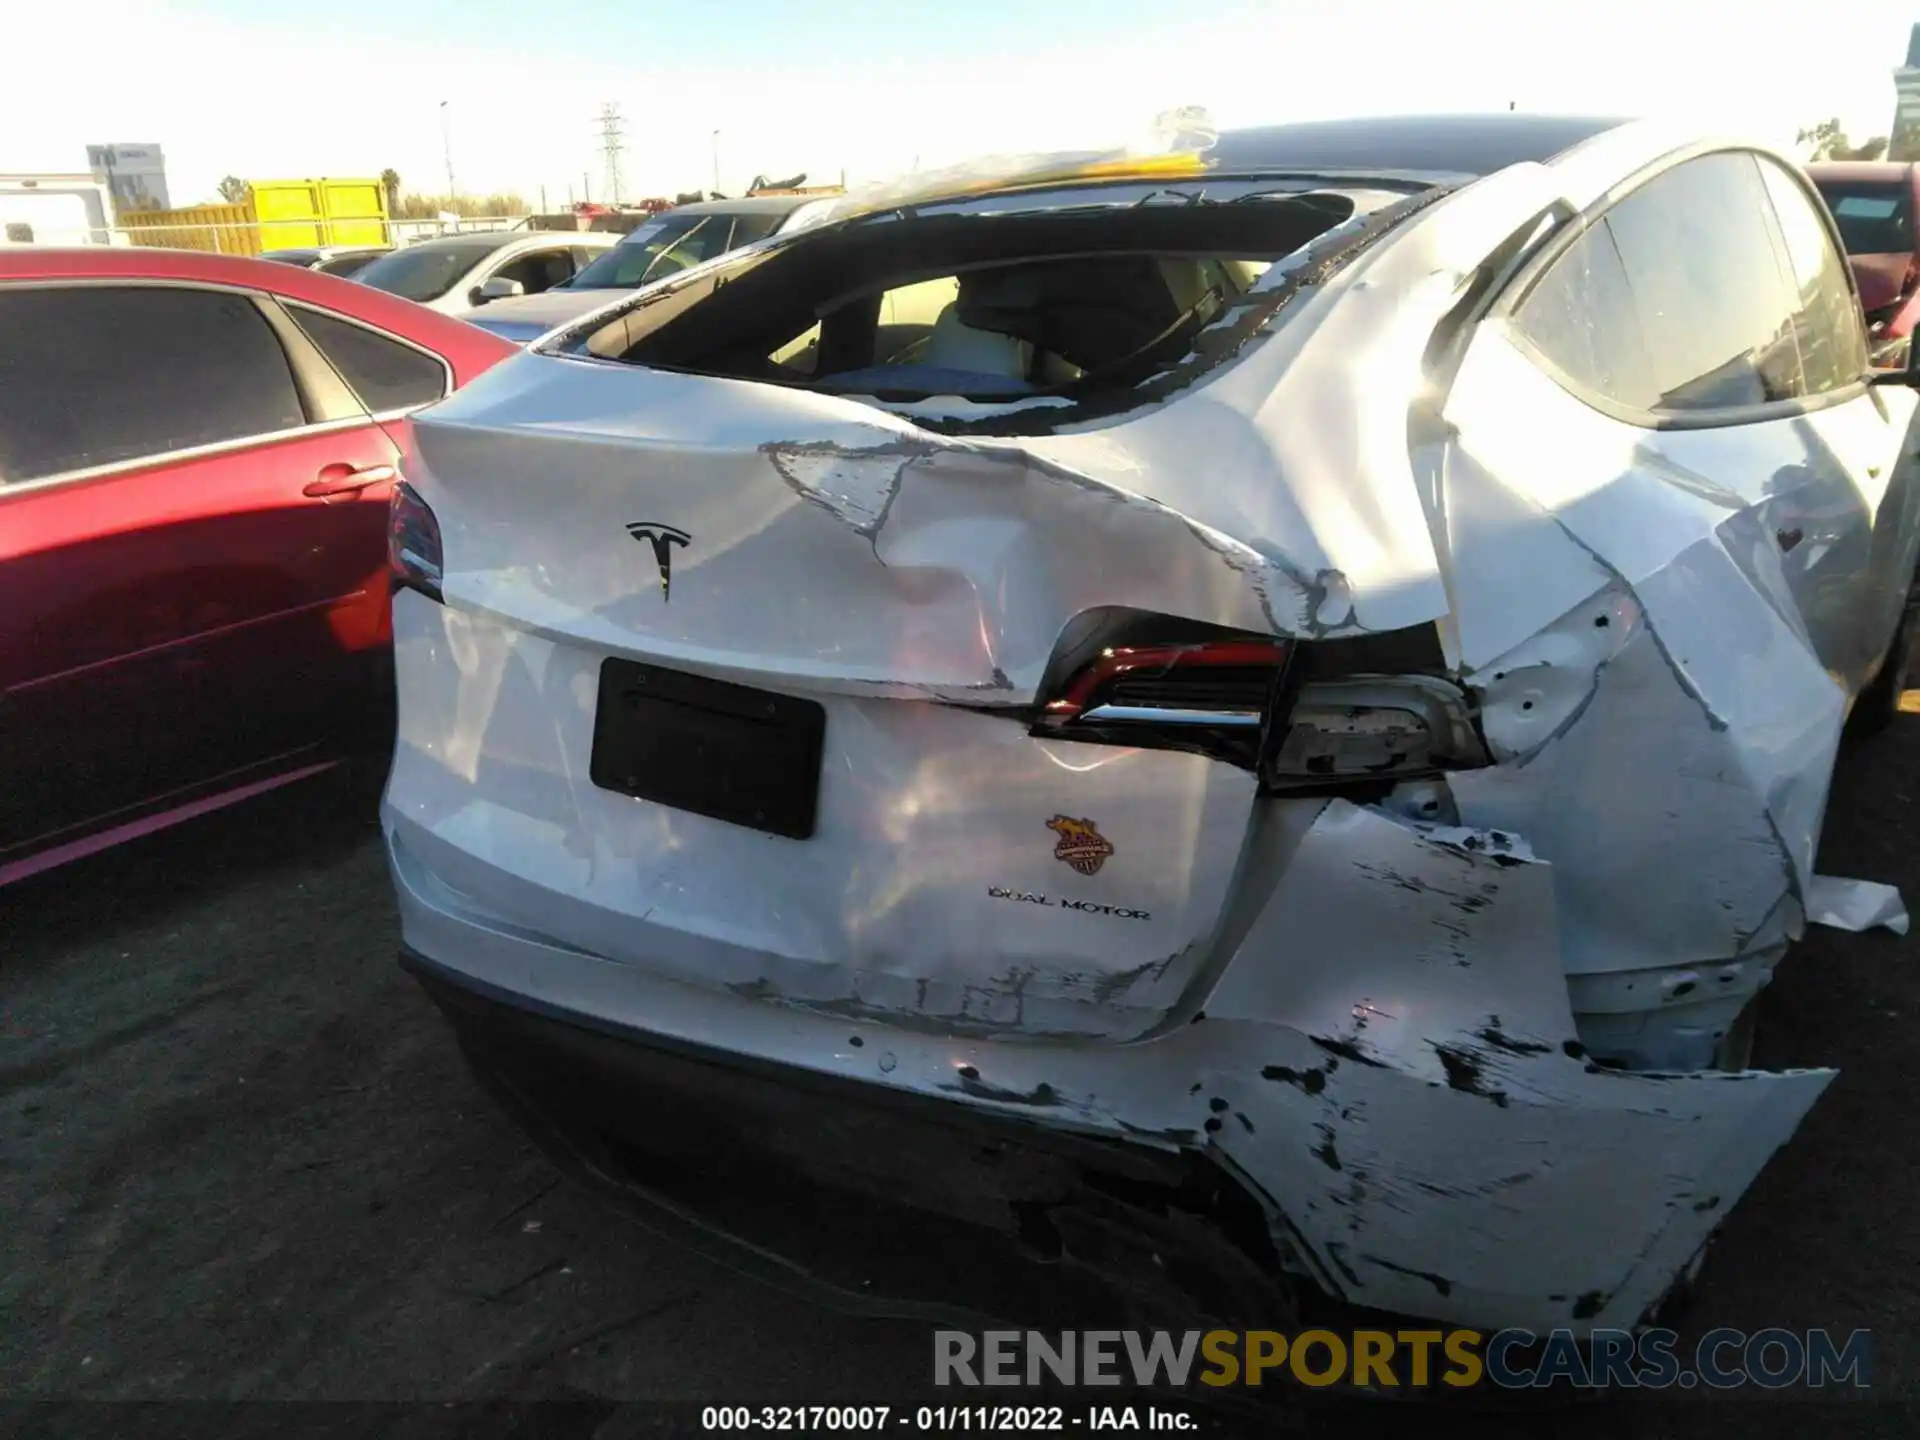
455,273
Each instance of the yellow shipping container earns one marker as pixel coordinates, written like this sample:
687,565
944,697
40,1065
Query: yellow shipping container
278,215
294,213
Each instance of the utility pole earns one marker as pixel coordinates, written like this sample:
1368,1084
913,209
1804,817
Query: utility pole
446,146
610,147
716,163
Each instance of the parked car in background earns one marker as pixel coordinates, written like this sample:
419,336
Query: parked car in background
455,273
665,245
1873,203
1274,743
340,260
196,455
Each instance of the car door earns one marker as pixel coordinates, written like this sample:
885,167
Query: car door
1855,574
174,460
389,378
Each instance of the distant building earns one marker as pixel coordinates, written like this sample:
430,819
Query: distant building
136,175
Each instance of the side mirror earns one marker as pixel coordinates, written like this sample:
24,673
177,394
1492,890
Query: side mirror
498,288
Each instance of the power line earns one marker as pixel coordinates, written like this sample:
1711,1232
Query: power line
611,144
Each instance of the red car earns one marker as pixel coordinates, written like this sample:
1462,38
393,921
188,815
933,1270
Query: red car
1874,203
196,454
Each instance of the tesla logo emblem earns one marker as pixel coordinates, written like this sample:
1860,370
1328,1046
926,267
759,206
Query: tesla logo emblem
1081,844
663,538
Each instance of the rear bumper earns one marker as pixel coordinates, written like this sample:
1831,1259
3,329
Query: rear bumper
1355,1112
864,1199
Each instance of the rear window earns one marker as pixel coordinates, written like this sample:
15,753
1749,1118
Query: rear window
1056,304
383,373
1875,217
1580,318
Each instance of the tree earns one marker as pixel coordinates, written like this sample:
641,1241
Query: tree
1827,141
234,190
390,182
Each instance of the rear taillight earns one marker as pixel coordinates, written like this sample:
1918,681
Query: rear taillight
1304,715
413,543
1205,695
1223,682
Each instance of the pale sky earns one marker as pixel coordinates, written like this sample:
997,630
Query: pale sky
269,90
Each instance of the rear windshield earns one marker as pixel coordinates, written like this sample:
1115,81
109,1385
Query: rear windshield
1875,217
426,272
1051,306
1012,304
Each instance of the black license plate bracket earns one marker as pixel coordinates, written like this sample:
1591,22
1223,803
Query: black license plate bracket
730,752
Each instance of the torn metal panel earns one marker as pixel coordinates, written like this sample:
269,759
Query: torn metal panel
1589,1195
965,563
1435,1075
1671,735
1446,945
1735,739
1696,847
1855,905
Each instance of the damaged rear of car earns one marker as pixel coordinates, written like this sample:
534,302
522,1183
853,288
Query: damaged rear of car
1240,704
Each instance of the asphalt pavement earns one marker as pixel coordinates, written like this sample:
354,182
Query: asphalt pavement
241,1161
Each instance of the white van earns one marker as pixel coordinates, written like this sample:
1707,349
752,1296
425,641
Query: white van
55,210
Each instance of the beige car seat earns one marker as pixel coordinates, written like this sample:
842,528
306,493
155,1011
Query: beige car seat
956,346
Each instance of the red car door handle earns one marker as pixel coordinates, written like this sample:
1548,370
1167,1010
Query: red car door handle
345,480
